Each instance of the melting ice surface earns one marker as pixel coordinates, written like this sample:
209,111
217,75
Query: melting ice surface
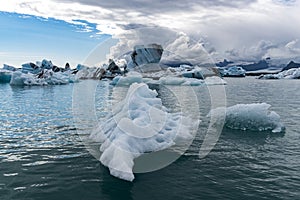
139,124
251,117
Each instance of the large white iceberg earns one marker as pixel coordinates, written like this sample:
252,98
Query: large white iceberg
139,124
251,117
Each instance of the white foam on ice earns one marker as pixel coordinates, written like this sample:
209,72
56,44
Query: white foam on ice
251,117
139,124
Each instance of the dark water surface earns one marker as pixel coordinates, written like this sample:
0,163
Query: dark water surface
42,157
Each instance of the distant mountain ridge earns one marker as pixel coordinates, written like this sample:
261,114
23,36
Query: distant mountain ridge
291,65
260,65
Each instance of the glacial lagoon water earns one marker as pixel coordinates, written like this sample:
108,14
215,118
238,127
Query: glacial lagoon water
42,156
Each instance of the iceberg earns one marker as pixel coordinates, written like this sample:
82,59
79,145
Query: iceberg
41,73
137,125
86,72
197,72
215,80
48,77
166,78
145,54
145,59
46,64
40,66
105,71
6,72
134,77
130,78
179,81
233,71
9,68
251,117
31,68
5,76
293,73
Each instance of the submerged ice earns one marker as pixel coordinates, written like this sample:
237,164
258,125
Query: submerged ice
139,124
251,117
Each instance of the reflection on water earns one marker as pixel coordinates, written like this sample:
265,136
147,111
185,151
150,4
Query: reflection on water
42,157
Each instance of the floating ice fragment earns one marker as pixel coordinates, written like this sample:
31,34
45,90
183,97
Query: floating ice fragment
251,117
139,124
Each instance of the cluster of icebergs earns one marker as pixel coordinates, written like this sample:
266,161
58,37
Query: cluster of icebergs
293,73
140,123
41,73
167,77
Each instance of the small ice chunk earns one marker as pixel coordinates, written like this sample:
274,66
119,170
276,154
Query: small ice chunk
251,117
131,77
215,80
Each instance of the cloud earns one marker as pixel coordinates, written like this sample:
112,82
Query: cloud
147,7
183,48
264,49
228,28
178,46
290,50
252,53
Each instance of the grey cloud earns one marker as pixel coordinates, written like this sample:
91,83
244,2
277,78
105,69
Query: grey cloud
285,2
178,46
240,29
161,6
264,49
133,26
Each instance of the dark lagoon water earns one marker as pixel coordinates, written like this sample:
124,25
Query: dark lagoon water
42,157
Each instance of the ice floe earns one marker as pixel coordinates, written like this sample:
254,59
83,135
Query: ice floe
251,117
139,124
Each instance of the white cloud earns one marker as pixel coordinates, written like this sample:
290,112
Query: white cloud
183,48
242,27
290,50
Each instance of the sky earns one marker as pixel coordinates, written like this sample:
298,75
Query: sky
82,31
